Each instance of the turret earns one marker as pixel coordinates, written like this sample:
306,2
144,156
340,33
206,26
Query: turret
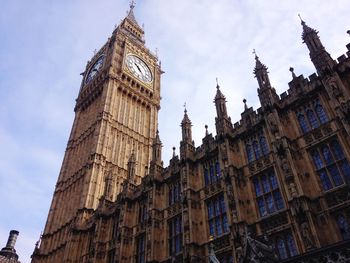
321,59
186,144
222,121
157,150
9,252
267,94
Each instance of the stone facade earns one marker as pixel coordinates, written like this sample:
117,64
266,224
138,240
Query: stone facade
273,187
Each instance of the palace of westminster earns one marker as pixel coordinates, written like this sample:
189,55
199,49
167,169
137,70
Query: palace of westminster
272,187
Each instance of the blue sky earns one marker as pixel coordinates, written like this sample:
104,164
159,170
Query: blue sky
45,44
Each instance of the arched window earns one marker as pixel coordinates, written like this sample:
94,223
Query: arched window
291,245
281,248
217,169
312,119
337,150
263,145
303,125
317,160
327,155
256,150
343,226
249,153
321,113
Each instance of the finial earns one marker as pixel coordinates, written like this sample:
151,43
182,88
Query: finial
256,56
245,104
132,4
217,83
174,151
301,20
291,69
156,51
206,130
185,108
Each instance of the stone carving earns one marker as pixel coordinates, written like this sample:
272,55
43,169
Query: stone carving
307,236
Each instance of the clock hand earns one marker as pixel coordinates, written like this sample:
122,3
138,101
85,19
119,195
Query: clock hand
138,67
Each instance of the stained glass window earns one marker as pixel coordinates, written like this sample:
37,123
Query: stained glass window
175,235
331,165
250,155
140,249
268,195
285,245
217,217
312,119
174,192
212,174
343,225
303,125
321,113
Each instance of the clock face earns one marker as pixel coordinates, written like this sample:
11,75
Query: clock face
95,69
139,68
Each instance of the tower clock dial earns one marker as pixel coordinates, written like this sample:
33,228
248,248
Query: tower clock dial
95,69
139,68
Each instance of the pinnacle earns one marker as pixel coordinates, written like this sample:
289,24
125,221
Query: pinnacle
306,29
131,15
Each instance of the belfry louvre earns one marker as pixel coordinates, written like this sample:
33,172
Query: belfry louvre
272,187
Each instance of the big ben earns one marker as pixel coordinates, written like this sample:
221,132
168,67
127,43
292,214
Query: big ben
116,117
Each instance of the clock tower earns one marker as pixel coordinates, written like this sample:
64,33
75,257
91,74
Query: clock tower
116,115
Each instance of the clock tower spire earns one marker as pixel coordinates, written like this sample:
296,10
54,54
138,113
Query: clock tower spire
116,116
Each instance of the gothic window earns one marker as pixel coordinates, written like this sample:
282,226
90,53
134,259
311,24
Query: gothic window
174,193
212,173
142,212
321,114
175,235
331,165
217,218
312,119
140,249
115,227
257,151
315,116
285,245
302,122
256,147
249,153
343,226
267,192
263,145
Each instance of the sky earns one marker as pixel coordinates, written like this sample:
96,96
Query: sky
45,45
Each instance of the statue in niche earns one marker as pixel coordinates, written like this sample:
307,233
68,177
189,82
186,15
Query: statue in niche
273,125
345,109
285,166
307,236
